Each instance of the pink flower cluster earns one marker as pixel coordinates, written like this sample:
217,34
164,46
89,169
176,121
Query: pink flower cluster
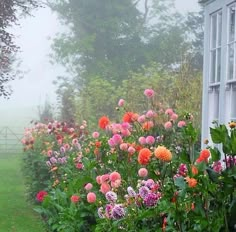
108,181
150,140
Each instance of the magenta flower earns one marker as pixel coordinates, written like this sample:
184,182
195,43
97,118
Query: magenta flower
151,199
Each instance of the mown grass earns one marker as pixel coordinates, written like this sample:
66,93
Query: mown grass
16,215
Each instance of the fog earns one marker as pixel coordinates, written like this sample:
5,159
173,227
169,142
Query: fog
34,36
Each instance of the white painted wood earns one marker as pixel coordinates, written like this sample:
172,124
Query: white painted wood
225,88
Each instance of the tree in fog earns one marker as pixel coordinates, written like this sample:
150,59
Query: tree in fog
107,40
10,11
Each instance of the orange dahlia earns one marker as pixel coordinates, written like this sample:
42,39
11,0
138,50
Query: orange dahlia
205,154
163,153
148,125
144,156
103,122
192,182
130,117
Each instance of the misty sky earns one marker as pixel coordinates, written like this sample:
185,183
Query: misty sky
33,36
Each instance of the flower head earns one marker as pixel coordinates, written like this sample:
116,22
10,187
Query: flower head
129,117
144,156
95,135
74,198
149,93
142,172
168,125
88,186
91,197
114,176
111,196
41,195
118,212
103,122
163,153
151,199
121,102
192,182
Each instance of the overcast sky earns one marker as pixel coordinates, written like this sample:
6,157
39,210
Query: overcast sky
33,36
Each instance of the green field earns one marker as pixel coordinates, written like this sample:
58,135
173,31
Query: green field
16,215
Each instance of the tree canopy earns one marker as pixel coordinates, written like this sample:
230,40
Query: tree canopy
10,11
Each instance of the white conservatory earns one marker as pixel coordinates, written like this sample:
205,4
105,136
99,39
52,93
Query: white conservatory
219,74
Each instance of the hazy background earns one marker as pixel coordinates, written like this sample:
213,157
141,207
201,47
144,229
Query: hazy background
34,38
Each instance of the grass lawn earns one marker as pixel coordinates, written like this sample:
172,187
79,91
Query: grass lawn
16,215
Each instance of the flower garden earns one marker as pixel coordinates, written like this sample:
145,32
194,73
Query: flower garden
141,172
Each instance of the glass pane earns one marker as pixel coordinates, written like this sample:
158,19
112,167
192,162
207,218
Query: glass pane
231,23
219,30
216,104
218,64
230,61
213,31
233,103
213,66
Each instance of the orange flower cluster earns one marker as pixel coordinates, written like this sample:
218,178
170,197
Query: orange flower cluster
103,122
163,154
204,155
192,182
144,156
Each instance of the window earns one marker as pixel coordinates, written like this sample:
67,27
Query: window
215,47
231,43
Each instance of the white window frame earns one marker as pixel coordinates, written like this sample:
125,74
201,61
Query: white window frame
229,43
215,81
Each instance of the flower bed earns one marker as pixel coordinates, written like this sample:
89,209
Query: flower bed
144,173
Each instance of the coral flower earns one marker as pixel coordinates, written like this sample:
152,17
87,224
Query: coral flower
103,122
91,197
192,182
163,153
105,187
129,117
144,156
114,176
74,198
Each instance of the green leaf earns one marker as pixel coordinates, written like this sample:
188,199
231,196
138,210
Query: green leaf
216,135
215,154
180,182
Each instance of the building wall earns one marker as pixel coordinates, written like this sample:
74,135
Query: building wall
219,84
